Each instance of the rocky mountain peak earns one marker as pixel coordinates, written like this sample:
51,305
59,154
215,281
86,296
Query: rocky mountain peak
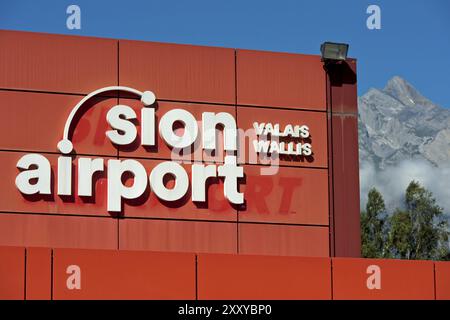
403,91
397,123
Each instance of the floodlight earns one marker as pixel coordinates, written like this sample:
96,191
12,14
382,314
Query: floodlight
332,51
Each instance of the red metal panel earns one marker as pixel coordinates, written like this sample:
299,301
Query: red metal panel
280,80
262,277
12,200
344,160
316,122
57,231
343,84
382,279
283,240
35,122
105,274
161,150
330,172
292,195
178,72
148,205
180,236
346,186
57,63
442,280
39,274
12,273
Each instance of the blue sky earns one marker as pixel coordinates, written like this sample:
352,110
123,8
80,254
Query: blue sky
414,40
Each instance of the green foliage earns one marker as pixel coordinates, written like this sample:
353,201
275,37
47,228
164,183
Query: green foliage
373,226
399,236
419,231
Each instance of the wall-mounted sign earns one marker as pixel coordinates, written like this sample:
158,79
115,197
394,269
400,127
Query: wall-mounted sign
265,146
267,139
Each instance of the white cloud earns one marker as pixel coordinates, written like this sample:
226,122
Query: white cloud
393,181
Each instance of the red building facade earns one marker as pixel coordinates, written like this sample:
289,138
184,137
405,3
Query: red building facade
298,210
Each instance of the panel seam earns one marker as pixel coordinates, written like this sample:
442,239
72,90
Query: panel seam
25,276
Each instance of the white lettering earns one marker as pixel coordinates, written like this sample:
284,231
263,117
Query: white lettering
148,126
231,172
42,174
64,176
117,190
201,173
179,175
86,169
210,121
115,120
190,128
